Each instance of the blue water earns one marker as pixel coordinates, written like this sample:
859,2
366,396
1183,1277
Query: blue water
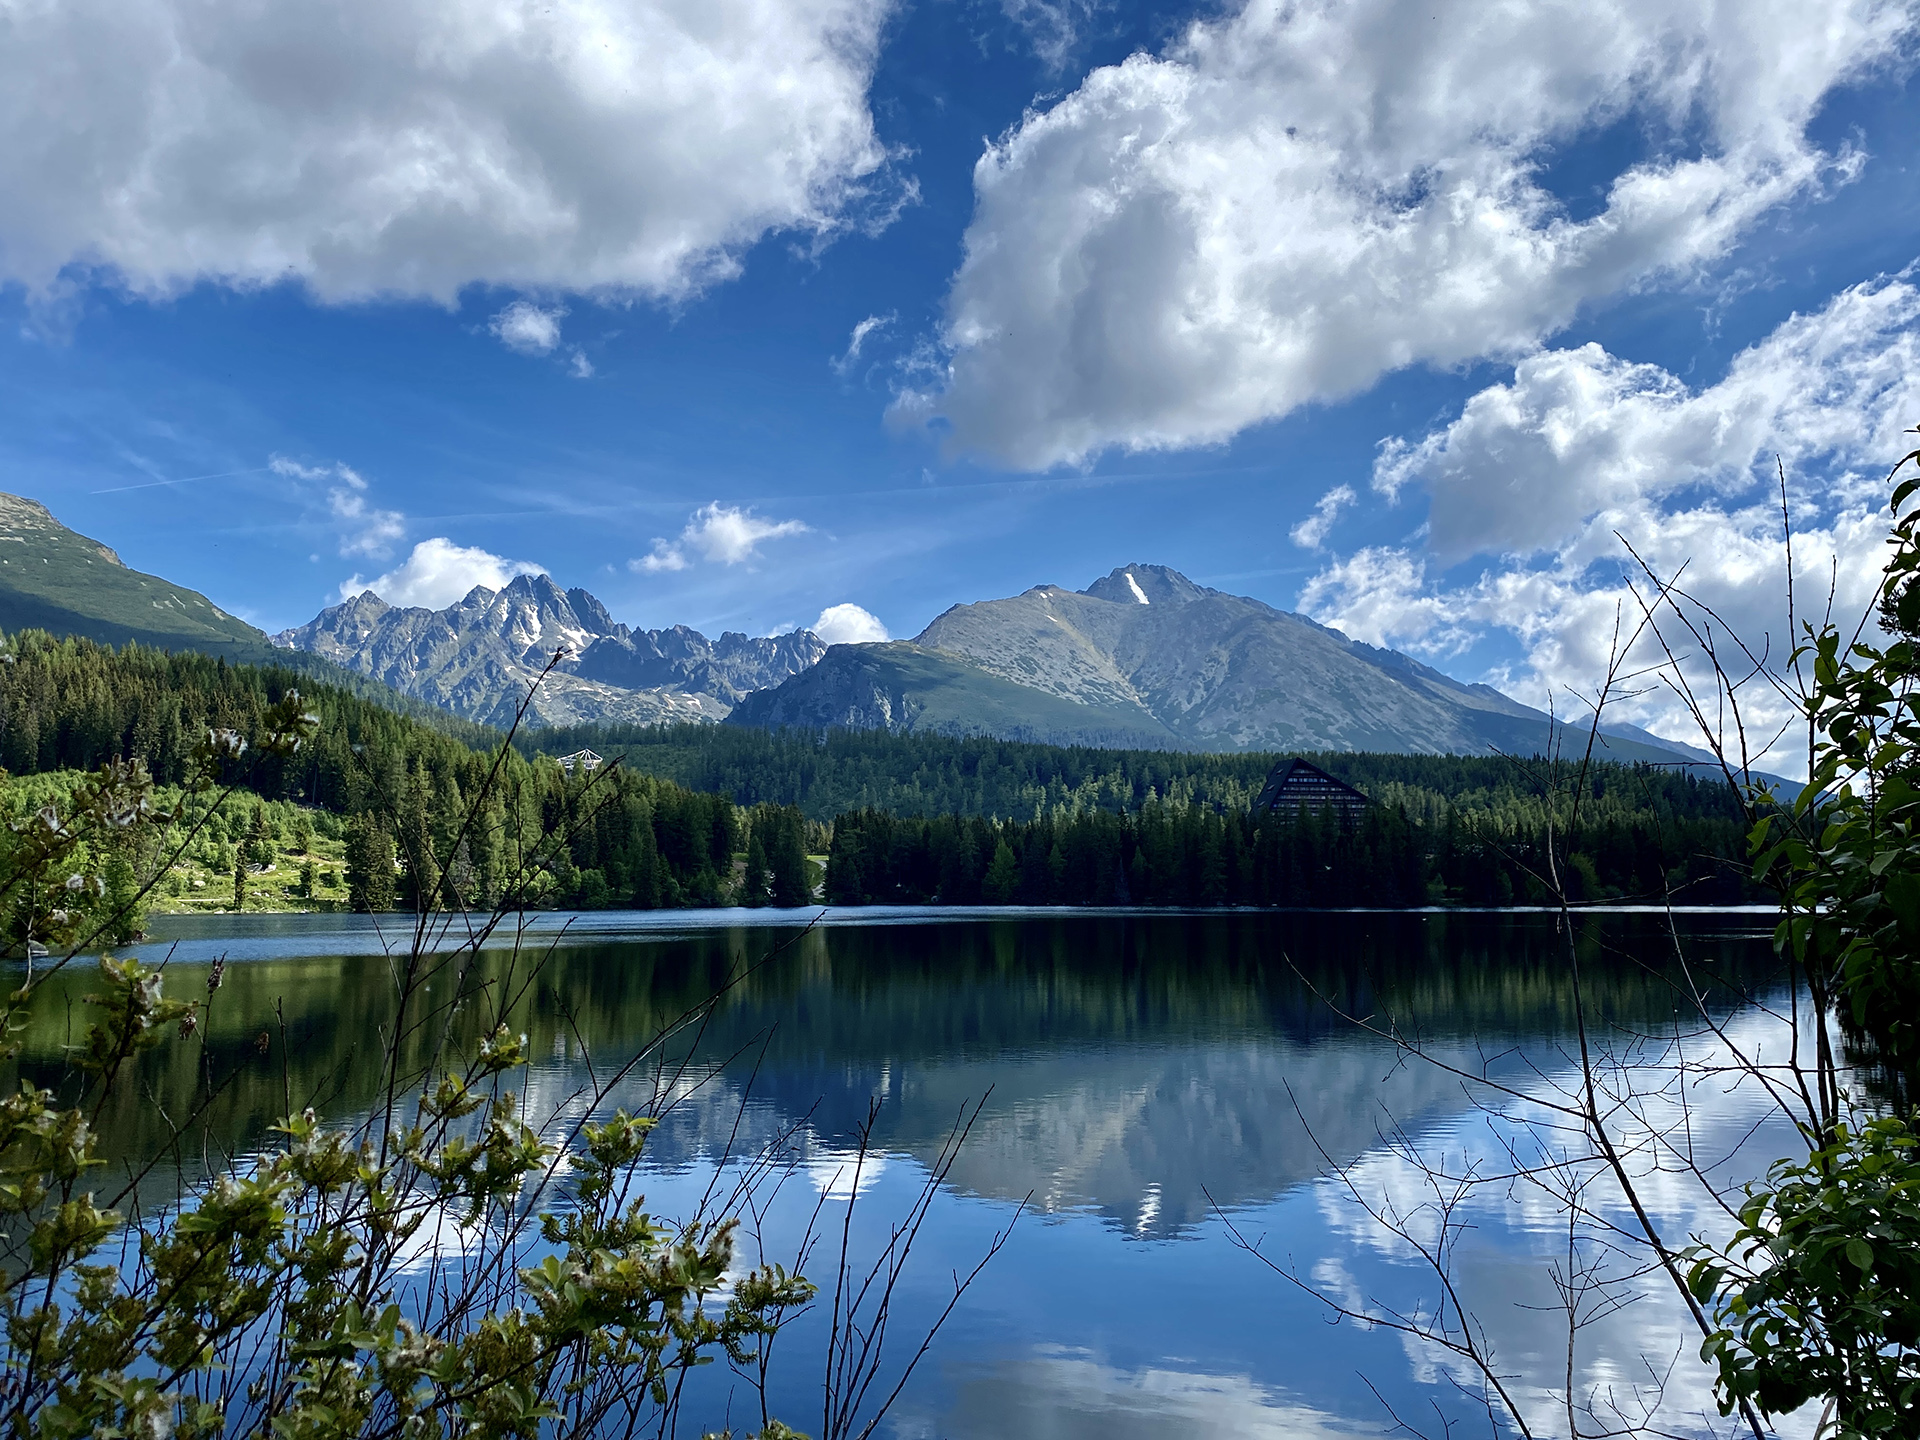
1148,1086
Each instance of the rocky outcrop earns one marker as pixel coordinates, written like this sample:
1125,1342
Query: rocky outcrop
727,669
860,687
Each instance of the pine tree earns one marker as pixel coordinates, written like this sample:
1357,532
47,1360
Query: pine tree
121,901
1002,885
753,881
416,845
644,864
786,843
370,885
258,851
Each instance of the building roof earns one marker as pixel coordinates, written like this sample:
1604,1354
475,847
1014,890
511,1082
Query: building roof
1304,785
585,759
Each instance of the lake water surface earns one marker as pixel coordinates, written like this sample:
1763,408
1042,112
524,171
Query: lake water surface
1146,1081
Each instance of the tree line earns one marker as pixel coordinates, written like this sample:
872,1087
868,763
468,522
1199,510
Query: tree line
1170,853
828,773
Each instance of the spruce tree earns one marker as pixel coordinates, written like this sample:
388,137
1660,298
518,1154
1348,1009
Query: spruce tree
753,881
1002,885
370,885
121,900
786,842
416,845
258,851
1036,881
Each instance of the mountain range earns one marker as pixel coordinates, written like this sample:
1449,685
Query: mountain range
1145,657
1142,658
479,657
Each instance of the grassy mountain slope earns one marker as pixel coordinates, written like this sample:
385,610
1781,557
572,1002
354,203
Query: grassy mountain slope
54,579
902,688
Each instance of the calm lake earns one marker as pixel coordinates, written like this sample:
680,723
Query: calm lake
1147,1080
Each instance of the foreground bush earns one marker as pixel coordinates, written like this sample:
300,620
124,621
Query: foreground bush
447,1265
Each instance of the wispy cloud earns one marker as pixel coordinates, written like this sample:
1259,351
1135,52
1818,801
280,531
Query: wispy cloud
1055,28
529,329
856,342
1311,533
364,528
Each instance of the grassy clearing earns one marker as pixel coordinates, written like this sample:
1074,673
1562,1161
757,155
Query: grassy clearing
294,857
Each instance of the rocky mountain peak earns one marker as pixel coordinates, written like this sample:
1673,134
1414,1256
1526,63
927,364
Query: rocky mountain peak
592,613
485,648
532,616
365,603
1146,585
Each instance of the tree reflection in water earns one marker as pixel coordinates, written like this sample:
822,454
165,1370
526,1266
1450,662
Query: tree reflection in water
1137,1070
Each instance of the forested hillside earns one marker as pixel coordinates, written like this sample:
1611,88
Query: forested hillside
393,787
829,772
701,815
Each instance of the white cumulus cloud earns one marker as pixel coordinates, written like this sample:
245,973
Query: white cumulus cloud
1292,201
848,624
1542,476
399,147
438,573
1580,432
725,534
729,534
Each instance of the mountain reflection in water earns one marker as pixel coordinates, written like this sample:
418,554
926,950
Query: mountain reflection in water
1138,1072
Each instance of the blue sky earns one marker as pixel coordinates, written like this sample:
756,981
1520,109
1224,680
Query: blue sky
575,286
